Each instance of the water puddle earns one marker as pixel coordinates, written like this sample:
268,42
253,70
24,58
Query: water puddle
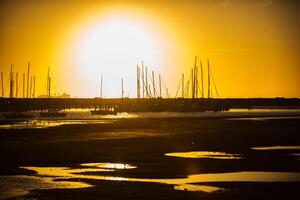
277,148
205,154
63,177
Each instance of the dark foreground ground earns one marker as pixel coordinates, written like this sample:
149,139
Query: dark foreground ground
143,143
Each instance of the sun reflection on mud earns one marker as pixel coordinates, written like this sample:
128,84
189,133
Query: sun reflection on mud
205,154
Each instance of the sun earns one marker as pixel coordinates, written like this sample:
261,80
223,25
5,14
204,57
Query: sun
113,47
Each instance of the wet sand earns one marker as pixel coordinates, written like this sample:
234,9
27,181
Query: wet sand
144,142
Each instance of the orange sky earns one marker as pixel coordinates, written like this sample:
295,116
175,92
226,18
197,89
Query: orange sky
253,45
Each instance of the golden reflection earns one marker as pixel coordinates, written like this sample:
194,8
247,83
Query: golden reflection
109,165
51,173
205,154
277,148
192,187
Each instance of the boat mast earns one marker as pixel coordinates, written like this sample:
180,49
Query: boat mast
30,94
147,92
143,83
153,83
202,84
138,87
49,84
11,83
194,79
17,84
23,85
159,86
182,89
33,87
208,73
28,71
2,86
122,88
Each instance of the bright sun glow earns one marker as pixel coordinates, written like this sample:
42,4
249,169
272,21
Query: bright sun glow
113,47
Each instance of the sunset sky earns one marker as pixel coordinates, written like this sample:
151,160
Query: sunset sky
253,45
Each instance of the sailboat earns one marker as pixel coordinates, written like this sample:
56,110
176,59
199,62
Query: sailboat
103,111
14,115
51,112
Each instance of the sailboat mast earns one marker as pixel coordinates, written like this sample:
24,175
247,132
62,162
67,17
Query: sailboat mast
33,87
2,86
49,84
208,73
143,83
23,85
11,83
182,88
17,84
153,83
30,94
147,92
202,83
194,79
159,85
28,71
138,87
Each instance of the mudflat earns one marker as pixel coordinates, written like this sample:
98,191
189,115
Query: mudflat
144,143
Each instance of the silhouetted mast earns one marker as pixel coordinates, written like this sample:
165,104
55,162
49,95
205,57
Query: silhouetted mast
30,94
153,83
2,85
147,92
33,87
194,79
17,84
23,85
192,83
202,84
159,85
49,84
143,83
182,88
28,71
138,84
11,83
208,73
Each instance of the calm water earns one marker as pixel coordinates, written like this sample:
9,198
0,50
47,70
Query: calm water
83,116
60,177
205,154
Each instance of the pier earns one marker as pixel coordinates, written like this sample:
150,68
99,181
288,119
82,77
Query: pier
145,105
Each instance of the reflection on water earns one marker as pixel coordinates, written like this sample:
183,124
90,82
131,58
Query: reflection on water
59,177
205,154
12,186
109,165
47,123
277,148
192,187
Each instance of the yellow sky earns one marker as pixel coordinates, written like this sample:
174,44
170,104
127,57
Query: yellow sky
253,46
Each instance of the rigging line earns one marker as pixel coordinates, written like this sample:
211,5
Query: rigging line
167,93
186,88
212,77
152,84
178,88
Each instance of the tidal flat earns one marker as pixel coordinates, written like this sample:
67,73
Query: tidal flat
128,159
